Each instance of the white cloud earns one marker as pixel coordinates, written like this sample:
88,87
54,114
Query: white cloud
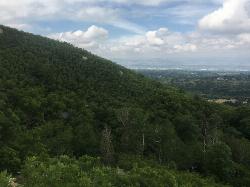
244,38
139,2
90,39
105,15
155,37
153,43
232,17
186,47
161,43
144,2
160,2
20,26
26,12
95,32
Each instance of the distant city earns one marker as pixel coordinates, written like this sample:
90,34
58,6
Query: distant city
242,66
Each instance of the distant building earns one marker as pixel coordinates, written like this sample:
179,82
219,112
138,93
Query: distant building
220,79
245,102
221,101
84,58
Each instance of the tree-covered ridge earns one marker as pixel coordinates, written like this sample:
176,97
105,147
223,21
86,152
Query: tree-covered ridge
56,99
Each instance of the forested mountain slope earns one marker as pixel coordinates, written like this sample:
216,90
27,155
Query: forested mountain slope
56,99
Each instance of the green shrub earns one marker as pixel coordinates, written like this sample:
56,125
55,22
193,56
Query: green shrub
153,177
4,179
89,172
54,173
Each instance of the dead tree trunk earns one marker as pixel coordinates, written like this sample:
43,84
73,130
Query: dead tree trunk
204,132
107,146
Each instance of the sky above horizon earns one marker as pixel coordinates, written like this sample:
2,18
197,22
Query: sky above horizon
141,30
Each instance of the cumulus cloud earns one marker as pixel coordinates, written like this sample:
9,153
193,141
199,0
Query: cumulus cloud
155,37
90,39
153,43
232,17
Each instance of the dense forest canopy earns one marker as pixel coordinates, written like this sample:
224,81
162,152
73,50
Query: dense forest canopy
56,99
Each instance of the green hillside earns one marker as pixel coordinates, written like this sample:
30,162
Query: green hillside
56,99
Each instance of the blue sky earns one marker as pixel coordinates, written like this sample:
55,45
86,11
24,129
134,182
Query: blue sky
140,30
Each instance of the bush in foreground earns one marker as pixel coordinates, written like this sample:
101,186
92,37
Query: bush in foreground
89,172
4,179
